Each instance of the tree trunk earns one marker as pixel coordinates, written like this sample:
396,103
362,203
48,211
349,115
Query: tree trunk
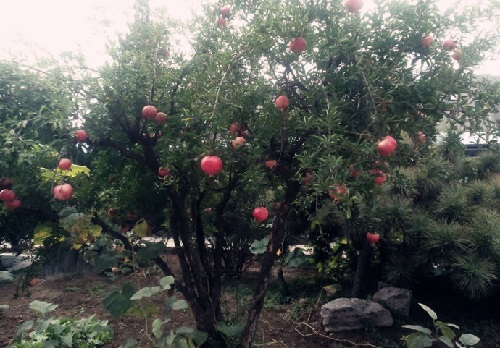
359,286
277,234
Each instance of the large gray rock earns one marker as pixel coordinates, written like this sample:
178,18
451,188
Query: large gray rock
13,263
397,300
353,313
6,277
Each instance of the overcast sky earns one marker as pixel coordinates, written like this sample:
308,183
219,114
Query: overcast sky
55,26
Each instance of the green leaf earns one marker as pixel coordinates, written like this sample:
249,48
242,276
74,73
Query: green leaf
453,325
165,282
230,330
418,328
42,307
179,305
429,311
417,340
146,292
118,302
157,324
296,258
141,228
150,251
469,340
445,330
67,340
199,337
4,306
184,330
446,341
171,338
22,329
131,343
51,344
104,262
170,301
181,342
259,246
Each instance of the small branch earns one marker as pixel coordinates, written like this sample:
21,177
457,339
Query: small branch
316,333
121,149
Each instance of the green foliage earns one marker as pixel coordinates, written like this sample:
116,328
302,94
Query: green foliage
259,246
442,333
61,332
362,77
119,302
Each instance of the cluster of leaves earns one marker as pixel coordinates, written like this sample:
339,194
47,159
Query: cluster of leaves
127,300
441,332
61,332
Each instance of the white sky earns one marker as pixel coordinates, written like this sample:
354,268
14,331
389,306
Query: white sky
30,27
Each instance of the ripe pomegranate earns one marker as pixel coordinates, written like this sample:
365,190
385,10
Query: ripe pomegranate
307,177
421,137
34,282
339,192
80,135
163,171
207,210
380,176
211,165
221,22
5,183
63,192
260,214
426,41
353,5
112,213
372,237
234,127
7,195
271,164
161,118
386,146
239,141
149,112
282,102
457,55
14,204
65,164
449,45
354,172
297,45
225,11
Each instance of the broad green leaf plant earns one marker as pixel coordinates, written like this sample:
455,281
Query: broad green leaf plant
441,332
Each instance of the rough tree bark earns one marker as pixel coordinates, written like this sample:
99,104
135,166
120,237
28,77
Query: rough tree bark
277,234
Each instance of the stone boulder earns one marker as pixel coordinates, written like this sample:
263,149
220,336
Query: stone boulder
13,263
6,277
353,313
396,300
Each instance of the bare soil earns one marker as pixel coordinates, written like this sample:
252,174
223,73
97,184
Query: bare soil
292,324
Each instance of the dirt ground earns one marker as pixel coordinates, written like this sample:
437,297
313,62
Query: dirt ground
289,325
